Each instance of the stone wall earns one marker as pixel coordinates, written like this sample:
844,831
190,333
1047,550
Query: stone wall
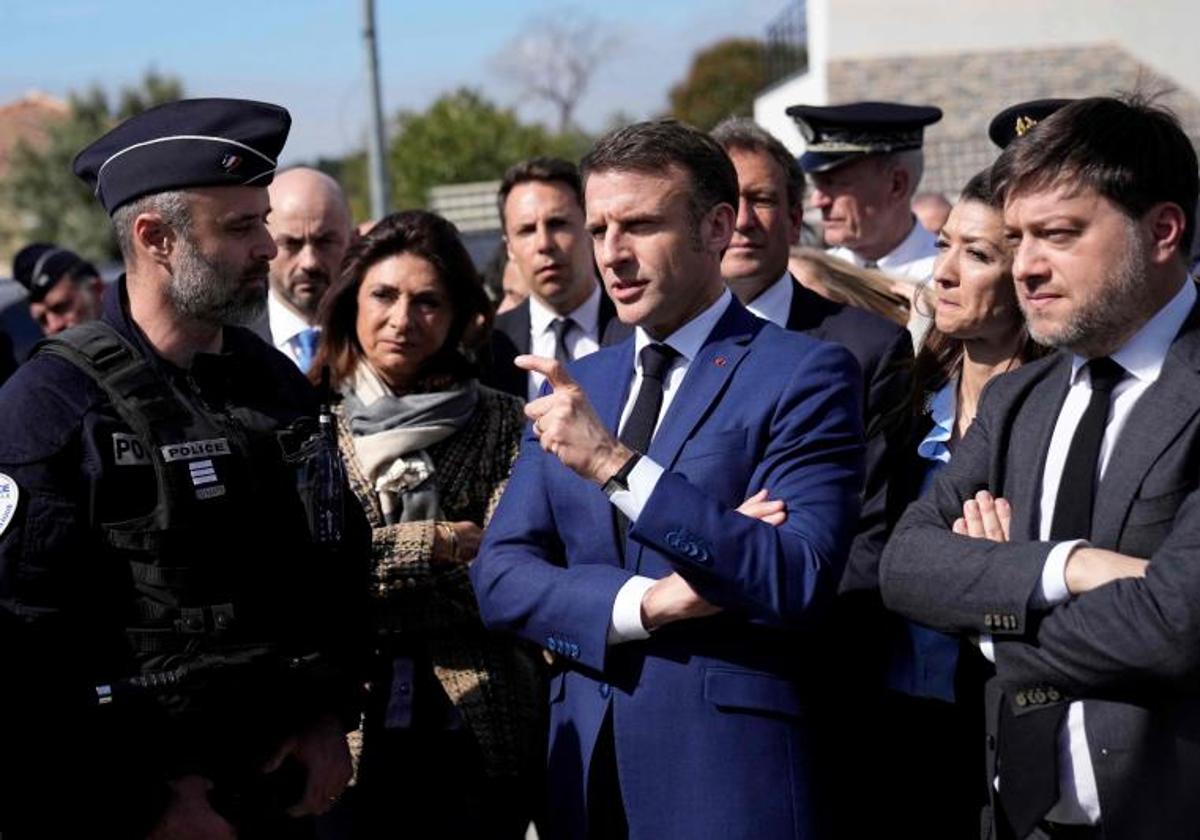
972,87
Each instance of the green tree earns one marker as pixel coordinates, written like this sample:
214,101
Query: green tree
722,82
461,137
42,192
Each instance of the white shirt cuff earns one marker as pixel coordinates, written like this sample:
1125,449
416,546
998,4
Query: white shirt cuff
626,622
987,648
1054,575
643,478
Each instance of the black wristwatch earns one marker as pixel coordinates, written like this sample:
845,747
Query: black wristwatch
620,479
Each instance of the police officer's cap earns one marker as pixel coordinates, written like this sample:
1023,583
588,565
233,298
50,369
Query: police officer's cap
189,143
1018,120
39,266
838,134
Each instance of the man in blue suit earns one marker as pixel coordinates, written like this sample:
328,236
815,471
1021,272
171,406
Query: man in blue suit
680,628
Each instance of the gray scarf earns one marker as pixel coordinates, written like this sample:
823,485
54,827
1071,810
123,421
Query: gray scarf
391,434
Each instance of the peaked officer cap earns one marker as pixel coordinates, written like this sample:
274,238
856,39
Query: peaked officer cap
838,134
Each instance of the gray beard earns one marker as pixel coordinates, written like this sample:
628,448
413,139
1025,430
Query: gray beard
206,291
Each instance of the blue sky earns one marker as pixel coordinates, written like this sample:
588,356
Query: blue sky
307,54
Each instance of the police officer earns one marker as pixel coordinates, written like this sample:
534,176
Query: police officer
63,288
177,571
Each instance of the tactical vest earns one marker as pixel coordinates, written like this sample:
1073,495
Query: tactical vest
211,565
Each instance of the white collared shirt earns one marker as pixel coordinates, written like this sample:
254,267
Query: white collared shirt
911,260
582,340
626,622
774,303
285,326
1142,357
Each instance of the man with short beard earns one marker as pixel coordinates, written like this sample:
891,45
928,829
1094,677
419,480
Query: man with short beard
310,223
1064,533
179,581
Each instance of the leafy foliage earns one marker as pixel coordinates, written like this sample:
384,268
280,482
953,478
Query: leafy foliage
464,137
722,82
48,201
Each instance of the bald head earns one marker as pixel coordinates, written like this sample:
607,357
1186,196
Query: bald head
310,222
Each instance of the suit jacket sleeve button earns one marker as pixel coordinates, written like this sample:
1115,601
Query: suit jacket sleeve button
1021,699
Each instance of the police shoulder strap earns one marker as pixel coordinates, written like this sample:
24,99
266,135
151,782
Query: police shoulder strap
139,393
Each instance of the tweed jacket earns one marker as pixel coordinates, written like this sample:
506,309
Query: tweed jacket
496,682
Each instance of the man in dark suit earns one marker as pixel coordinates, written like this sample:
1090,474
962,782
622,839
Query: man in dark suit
755,268
683,637
541,211
1065,530
311,224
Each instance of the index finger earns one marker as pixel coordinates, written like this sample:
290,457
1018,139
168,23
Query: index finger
554,371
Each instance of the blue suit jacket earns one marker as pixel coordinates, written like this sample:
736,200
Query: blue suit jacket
709,716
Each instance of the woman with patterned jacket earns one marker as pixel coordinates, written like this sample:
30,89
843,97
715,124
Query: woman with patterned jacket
454,728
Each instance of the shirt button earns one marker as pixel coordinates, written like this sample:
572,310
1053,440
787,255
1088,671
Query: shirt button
605,690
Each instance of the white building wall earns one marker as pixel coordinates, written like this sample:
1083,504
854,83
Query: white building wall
1159,33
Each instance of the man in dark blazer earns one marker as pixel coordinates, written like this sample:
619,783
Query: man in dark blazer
755,268
682,630
541,212
1065,532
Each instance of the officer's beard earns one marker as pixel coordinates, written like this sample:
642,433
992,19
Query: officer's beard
210,291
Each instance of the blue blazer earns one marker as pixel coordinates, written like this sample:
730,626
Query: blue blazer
711,717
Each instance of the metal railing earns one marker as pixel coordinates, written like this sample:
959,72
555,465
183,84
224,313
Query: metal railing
786,51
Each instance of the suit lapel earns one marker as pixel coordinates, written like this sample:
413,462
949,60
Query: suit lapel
518,327
808,310
1023,482
613,377
706,378
1155,421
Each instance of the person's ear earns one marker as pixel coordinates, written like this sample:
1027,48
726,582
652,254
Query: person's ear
154,237
1165,224
717,228
900,184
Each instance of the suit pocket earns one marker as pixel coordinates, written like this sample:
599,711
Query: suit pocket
1155,509
714,443
731,690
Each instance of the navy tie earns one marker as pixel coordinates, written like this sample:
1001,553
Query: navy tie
561,328
639,425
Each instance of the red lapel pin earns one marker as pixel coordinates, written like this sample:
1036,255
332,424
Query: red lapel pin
719,361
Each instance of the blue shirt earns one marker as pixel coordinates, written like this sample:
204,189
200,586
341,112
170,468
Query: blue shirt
923,661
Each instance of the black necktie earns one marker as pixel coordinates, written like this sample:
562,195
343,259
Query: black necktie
560,327
1077,489
639,425
1029,743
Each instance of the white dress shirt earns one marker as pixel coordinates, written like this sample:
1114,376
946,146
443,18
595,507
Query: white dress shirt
584,337
626,623
285,326
1142,357
774,303
911,260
